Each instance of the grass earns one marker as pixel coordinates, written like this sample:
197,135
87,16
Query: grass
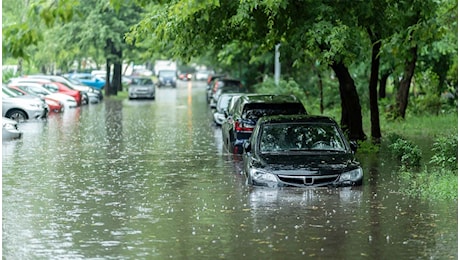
121,95
433,181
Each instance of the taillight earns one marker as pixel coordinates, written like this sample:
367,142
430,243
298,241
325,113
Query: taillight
241,127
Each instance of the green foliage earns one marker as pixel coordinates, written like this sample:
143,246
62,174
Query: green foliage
6,75
368,147
408,153
284,87
445,150
439,179
17,37
434,184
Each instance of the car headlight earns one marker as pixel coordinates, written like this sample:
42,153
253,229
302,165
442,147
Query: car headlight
353,175
263,176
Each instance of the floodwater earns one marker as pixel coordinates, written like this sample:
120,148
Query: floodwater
143,179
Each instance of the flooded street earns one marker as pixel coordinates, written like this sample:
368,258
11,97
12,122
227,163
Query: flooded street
143,179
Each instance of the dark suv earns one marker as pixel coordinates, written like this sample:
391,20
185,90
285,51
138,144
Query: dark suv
248,108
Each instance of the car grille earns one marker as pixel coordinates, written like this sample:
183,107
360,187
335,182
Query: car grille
308,180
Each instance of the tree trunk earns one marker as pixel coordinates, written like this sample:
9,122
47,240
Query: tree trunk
20,69
117,86
352,120
321,98
402,97
108,86
373,100
383,84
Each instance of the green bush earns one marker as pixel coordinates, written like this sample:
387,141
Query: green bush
445,150
408,153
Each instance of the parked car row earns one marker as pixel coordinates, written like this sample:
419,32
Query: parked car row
281,145
35,96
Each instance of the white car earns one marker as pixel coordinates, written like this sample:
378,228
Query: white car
10,129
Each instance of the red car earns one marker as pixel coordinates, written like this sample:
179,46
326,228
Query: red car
62,88
54,87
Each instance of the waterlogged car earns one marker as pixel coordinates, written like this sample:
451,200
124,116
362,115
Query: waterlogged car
247,109
167,78
22,107
141,87
10,130
38,90
300,151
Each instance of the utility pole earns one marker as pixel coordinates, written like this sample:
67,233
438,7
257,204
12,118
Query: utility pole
277,64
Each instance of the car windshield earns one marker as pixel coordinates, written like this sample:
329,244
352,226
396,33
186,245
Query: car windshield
141,81
37,90
72,81
51,88
300,137
167,73
11,92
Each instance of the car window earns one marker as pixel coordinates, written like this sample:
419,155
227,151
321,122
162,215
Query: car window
300,137
141,81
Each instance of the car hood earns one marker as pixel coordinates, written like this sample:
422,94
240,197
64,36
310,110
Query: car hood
306,163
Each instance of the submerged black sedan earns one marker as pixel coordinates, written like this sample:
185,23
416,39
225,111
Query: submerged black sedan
300,151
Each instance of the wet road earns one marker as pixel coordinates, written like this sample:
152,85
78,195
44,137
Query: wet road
146,179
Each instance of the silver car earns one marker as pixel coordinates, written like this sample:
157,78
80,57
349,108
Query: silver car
141,87
21,108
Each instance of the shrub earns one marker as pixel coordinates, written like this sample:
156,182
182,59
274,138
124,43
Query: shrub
408,153
445,150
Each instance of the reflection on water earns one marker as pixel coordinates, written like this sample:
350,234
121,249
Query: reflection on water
143,179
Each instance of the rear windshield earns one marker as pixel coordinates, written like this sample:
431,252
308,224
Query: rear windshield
255,111
142,81
167,73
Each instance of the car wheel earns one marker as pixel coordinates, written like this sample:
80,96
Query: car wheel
17,115
85,100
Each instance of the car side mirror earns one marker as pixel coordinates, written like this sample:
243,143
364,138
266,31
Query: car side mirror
247,146
354,146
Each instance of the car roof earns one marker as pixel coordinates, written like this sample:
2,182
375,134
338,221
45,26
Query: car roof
268,98
296,119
